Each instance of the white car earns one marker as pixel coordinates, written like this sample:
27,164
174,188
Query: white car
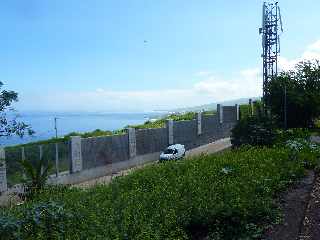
173,152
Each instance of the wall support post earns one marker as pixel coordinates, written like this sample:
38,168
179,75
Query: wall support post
132,142
237,112
3,172
220,112
169,125
199,121
76,154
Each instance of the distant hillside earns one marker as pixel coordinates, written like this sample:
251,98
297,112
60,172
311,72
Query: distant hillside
213,106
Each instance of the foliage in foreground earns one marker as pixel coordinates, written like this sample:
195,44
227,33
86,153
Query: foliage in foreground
225,196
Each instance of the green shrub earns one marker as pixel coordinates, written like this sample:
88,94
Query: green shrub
36,176
160,123
45,220
317,123
245,111
9,228
253,130
283,136
150,124
305,151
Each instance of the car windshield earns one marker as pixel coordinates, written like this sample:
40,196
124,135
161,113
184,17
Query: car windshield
169,151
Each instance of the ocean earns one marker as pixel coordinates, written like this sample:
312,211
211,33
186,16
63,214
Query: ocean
43,123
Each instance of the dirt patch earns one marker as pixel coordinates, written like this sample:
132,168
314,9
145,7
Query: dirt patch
293,202
310,229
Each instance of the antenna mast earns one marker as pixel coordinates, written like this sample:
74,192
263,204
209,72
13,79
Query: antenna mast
271,23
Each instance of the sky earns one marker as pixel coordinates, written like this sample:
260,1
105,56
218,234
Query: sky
142,55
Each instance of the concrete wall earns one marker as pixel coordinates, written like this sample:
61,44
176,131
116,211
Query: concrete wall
211,130
229,113
186,133
106,150
229,119
226,129
101,151
151,140
3,172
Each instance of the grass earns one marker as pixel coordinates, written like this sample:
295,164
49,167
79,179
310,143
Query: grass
227,196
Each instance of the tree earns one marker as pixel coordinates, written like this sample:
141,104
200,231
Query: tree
9,124
302,94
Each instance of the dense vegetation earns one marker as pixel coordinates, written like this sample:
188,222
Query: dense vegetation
254,130
302,95
225,196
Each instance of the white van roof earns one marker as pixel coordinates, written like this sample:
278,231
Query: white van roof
176,146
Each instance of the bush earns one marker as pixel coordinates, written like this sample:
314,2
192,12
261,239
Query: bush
282,136
9,228
36,176
45,220
254,130
304,150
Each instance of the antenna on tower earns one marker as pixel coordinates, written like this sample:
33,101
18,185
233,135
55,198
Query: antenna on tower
271,24
280,19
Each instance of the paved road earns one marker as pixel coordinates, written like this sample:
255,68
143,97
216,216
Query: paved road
210,148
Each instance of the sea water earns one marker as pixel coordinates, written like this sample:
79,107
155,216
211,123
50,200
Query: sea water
43,123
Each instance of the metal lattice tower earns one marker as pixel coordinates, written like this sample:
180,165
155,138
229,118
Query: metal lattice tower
271,24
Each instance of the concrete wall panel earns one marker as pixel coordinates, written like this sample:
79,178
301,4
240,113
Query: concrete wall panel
104,150
151,140
186,133
211,129
229,114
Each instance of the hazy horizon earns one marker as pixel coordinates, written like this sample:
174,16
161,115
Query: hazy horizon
106,111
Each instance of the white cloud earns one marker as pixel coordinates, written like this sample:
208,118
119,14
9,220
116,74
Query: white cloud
312,52
207,89
247,84
315,46
203,73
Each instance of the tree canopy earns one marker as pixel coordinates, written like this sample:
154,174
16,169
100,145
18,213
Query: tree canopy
302,94
9,123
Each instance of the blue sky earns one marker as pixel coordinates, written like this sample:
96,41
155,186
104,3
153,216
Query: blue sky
103,55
